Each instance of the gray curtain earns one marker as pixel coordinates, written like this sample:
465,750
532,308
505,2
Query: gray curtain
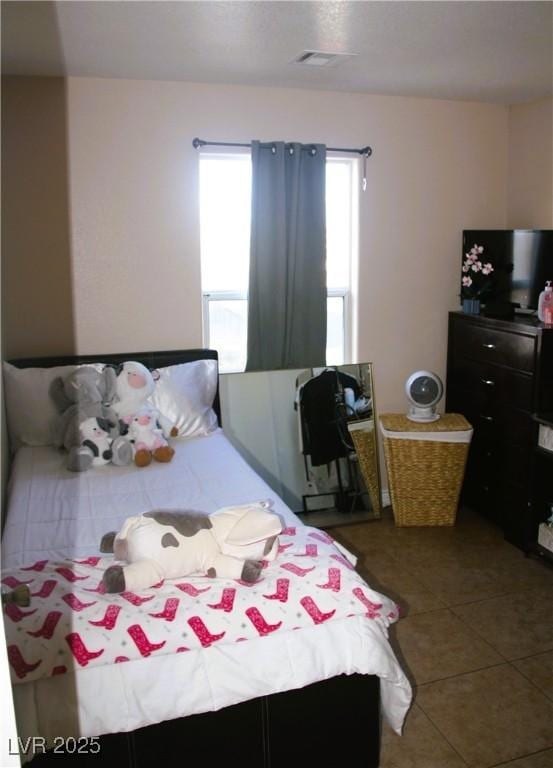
287,289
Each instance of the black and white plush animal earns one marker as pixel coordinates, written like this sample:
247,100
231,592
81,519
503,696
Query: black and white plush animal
87,393
167,544
96,440
148,428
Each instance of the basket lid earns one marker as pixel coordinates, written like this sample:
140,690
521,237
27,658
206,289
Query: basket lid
448,422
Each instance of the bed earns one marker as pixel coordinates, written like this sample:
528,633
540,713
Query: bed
291,697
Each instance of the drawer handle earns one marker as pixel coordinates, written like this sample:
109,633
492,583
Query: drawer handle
488,382
486,418
488,346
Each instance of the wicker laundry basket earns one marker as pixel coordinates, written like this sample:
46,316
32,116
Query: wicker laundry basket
364,439
426,464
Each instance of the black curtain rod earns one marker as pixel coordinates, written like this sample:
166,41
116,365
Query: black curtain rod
196,143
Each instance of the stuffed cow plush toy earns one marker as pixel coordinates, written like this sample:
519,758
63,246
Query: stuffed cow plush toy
148,428
147,437
97,440
88,394
164,544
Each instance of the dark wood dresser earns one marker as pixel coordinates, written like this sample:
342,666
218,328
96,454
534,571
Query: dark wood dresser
499,373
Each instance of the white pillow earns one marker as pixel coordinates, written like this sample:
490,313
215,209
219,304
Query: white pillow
184,394
30,411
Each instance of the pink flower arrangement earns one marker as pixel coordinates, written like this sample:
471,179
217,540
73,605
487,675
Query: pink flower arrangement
476,280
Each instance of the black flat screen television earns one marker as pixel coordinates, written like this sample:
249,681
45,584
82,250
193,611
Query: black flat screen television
522,260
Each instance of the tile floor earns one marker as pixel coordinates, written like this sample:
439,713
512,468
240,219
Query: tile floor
476,641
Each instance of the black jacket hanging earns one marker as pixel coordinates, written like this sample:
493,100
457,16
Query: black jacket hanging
321,414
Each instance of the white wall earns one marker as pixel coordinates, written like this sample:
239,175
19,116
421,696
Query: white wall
530,166
438,167
37,307
127,211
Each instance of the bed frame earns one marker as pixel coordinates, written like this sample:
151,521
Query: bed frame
151,360
330,723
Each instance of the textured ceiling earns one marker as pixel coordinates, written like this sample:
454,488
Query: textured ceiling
485,51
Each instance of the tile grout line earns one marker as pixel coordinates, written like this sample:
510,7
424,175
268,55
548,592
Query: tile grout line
479,636
521,757
452,677
493,597
547,696
440,597
444,737
477,632
471,601
504,662
461,674
389,548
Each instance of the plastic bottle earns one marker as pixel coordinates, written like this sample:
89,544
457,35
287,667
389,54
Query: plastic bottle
548,309
545,301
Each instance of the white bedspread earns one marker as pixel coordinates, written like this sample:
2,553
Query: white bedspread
54,514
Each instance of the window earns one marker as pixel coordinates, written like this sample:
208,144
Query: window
225,201
340,246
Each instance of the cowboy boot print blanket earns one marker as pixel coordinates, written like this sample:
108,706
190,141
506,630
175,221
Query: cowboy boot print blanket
71,623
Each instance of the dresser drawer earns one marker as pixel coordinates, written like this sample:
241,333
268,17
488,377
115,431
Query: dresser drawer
486,455
512,388
517,465
493,421
490,345
482,495
516,516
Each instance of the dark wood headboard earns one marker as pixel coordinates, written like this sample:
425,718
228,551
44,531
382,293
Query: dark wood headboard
151,360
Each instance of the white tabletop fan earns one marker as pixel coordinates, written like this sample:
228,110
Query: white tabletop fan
424,391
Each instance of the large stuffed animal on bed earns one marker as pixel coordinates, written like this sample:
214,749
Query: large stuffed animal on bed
87,394
148,428
164,544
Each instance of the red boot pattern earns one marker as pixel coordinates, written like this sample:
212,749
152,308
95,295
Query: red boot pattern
49,627
18,663
169,611
202,632
141,641
226,602
110,618
334,580
73,623
79,649
282,587
38,566
46,588
259,622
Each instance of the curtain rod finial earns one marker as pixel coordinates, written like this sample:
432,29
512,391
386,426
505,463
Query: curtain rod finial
198,143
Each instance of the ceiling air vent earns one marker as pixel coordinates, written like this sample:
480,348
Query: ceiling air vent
321,58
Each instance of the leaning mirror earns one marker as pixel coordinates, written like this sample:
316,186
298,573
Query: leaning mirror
310,434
